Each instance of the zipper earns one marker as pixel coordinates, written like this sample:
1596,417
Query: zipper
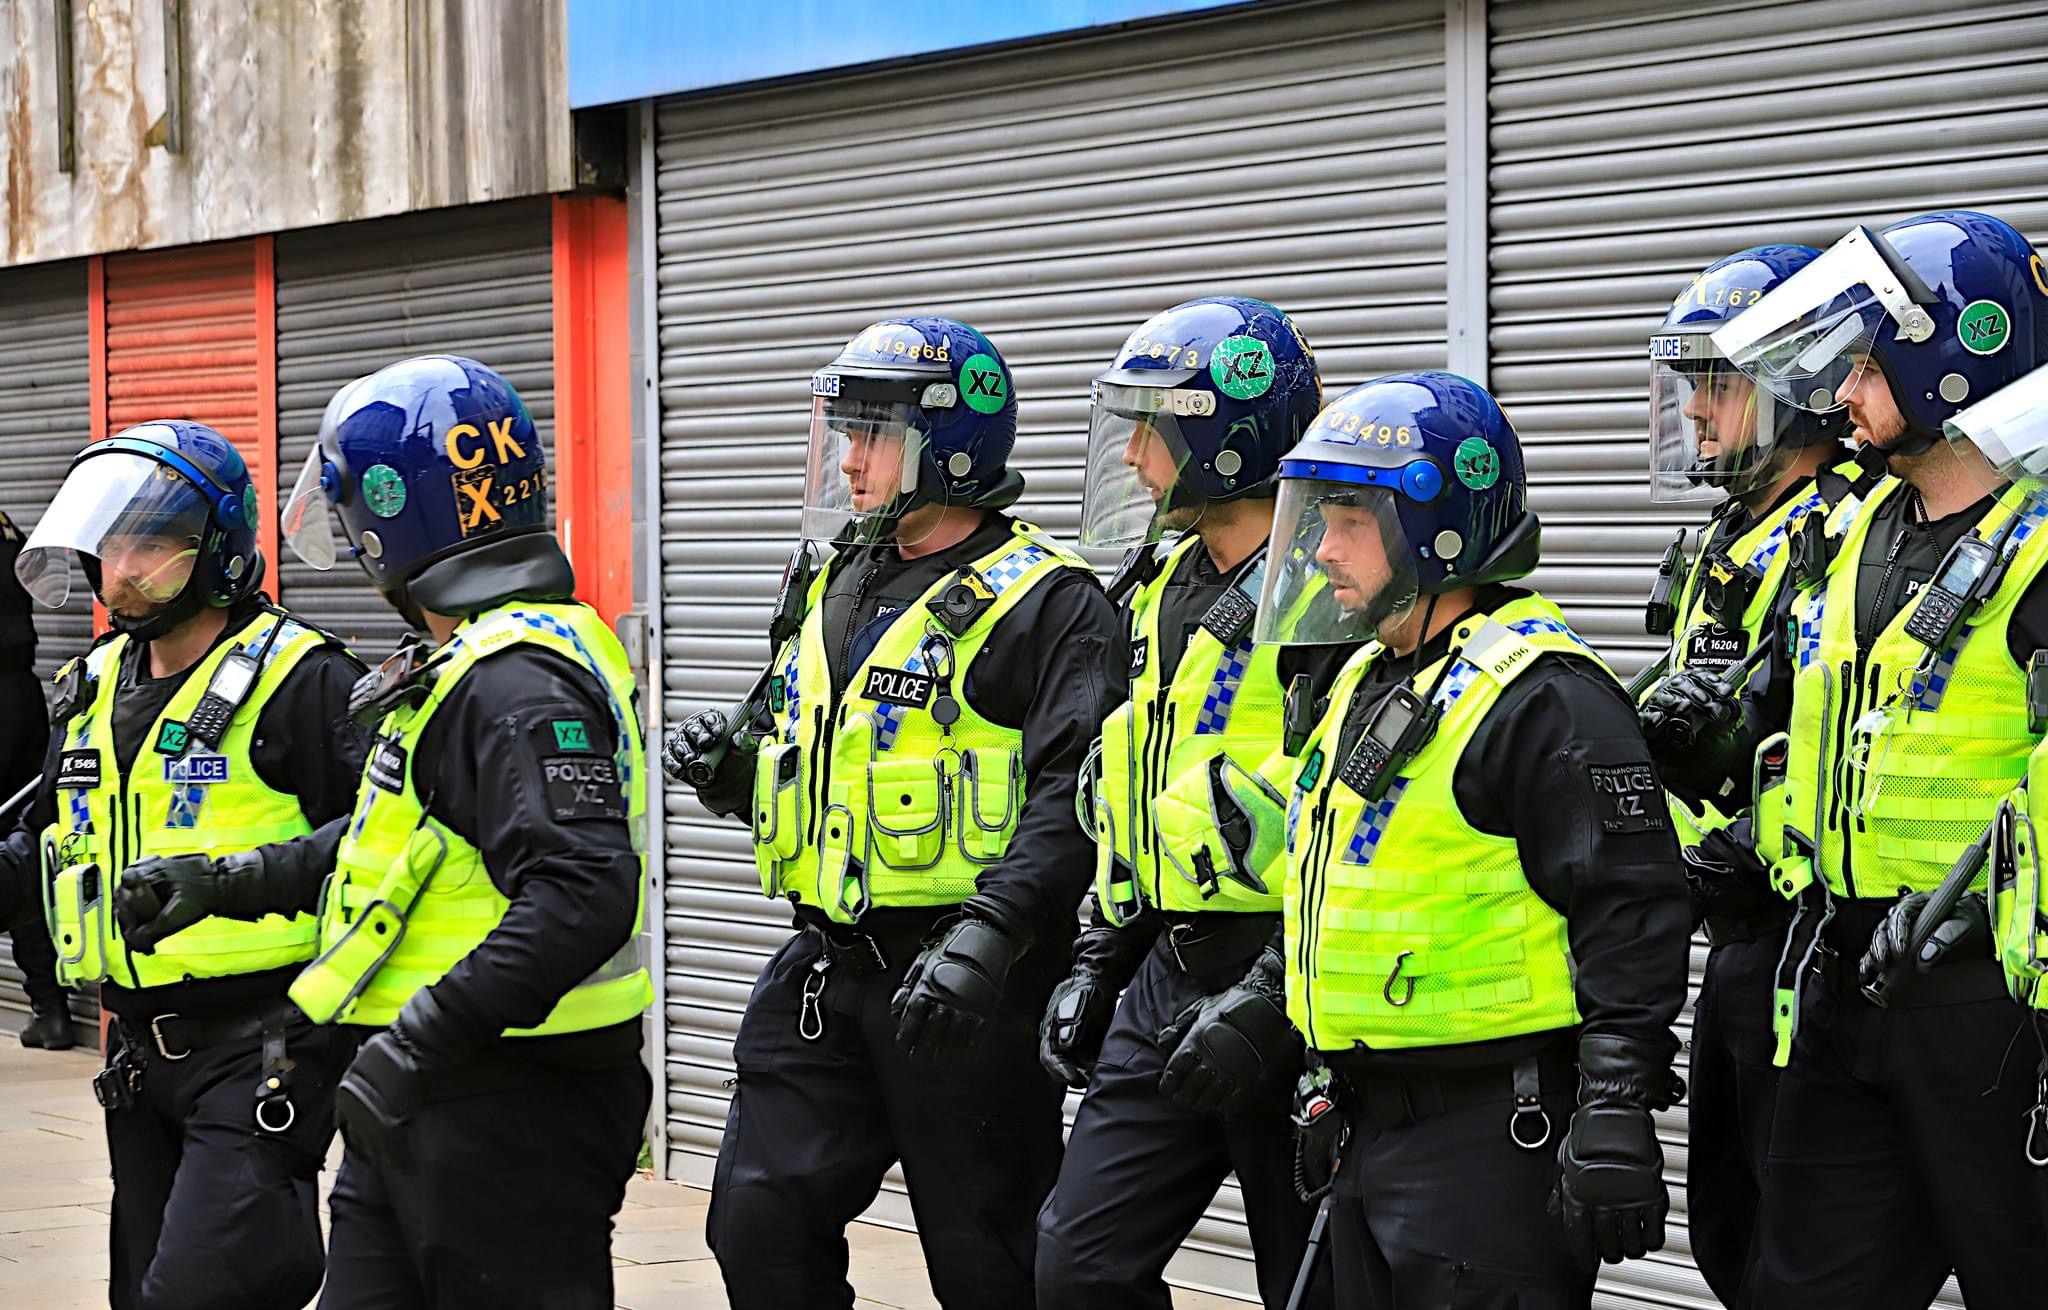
1314,887
821,760
1162,740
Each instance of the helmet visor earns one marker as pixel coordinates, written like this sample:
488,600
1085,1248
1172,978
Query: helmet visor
1810,337
1713,432
1340,565
308,528
2010,428
863,469
141,519
1135,456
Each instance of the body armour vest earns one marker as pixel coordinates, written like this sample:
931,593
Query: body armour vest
409,898
1405,925
183,795
895,793
1184,816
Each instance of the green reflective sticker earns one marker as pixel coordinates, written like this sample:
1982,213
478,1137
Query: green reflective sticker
1477,463
383,491
1983,327
249,505
1311,771
983,384
1242,367
171,738
571,735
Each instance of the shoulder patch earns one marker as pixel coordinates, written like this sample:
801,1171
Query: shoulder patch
583,787
1627,797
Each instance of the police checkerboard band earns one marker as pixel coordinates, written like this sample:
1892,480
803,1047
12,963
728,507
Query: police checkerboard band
1000,577
1930,683
1214,716
1774,541
1373,822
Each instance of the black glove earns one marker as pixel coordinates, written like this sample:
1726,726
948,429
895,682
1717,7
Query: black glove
162,895
707,753
1610,1189
1698,734
1078,1013
386,1081
951,990
1966,931
1725,877
1222,1046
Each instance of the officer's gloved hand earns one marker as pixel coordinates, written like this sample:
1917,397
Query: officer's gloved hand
162,895
1725,877
1697,732
1610,1190
383,1086
1078,1013
1223,1045
707,753
951,990
1965,932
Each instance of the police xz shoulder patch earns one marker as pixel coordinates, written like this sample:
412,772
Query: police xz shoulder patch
583,787
898,687
79,770
1628,797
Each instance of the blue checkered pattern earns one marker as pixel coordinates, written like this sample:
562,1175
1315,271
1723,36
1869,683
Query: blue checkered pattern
1774,541
186,803
549,623
792,699
1462,675
1809,626
1214,716
1000,577
1930,684
81,813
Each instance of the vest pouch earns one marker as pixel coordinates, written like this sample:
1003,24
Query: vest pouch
906,804
2019,918
1221,827
341,973
77,912
778,809
1116,800
991,791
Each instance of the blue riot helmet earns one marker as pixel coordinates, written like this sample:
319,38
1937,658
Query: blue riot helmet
439,479
913,412
1713,432
162,520
1407,486
1198,407
1951,307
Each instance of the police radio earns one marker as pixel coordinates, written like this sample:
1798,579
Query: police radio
1660,616
1969,573
1400,725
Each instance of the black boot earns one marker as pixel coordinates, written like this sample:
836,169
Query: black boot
50,1030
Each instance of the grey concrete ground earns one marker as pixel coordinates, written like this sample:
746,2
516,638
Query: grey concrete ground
54,1194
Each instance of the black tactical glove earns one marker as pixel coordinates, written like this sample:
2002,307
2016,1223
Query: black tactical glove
1610,1191
1078,1013
1965,932
951,990
162,895
1725,878
1222,1046
1698,735
706,752
386,1081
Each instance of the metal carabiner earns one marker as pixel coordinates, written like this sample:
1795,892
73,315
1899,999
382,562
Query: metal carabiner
2037,1130
810,1019
1388,990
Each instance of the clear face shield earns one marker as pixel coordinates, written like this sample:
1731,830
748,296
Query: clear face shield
2010,429
141,519
867,445
1713,432
307,522
1808,340
1340,565
1135,457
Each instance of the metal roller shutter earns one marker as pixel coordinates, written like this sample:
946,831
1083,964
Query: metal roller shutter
45,416
1631,144
472,281
1113,176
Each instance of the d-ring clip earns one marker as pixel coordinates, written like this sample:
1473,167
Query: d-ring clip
1388,990
2037,1135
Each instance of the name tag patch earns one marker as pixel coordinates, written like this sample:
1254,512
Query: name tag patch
79,770
1715,650
196,769
898,687
583,787
1628,794
387,765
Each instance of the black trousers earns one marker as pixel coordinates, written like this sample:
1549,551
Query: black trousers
1897,1156
1448,1213
508,1207
36,956
1733,1087
1140,1170
814,1125
211,1212
24,736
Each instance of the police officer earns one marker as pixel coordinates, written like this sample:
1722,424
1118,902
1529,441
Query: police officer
1192,1077
209,722
1715,434
1485,917
1898,1146
24,731
911,764
480,930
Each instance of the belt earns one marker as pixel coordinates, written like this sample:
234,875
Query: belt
860,951
1952,982
1213,943
1731,929
1397,1099
173,1037
176,1036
